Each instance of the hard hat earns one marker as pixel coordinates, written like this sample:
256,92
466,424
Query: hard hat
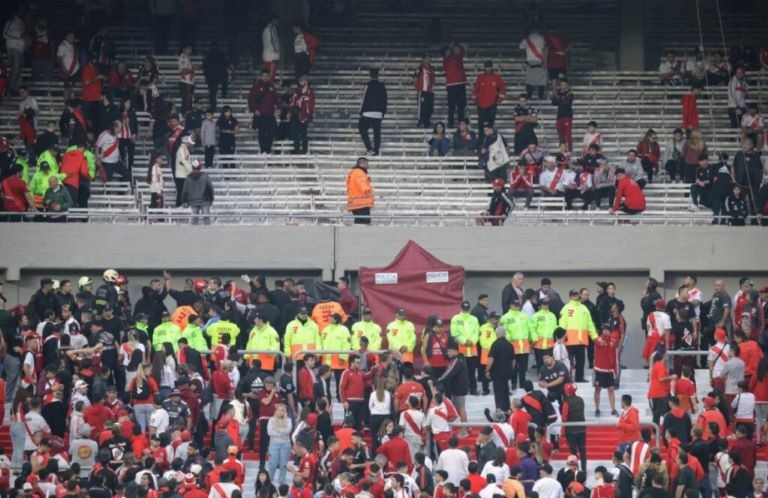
110,275
55,285
200,284
84,281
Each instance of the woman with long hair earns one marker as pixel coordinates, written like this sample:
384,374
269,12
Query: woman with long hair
439,143
434,346
167,369
498,466
279,428
264,482
142,390
155,179
692,151
18,432
380,407
386,430
649,153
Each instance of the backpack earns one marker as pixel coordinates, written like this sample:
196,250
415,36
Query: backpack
141,392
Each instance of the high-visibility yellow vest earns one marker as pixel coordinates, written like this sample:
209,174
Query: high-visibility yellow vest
299,336
487,338
263,338
465,327
402,333
576,319
336,337
543,325
515,324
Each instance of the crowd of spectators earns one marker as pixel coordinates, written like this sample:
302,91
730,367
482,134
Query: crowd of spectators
111,397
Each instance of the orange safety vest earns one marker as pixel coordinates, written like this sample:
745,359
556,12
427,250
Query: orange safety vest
484,356
359,189
521,346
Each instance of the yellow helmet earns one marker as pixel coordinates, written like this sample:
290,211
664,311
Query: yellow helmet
110,275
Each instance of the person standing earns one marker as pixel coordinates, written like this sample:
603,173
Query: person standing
208,137
573,411
455,81
155,180
302,113
109,153
75,166
197,193
424,82
562,97
69,63
270,53
487,93
216,72
526,121
579,329
14,32
182,165
360,199
263,100
737,97
465,330
516,325
535,56
557,47
186,79
128,132
401,336
228,130
373,107
304,49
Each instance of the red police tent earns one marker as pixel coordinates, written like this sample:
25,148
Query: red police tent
416,281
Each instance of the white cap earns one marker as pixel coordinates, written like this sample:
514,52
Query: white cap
80,384
187,139
550,159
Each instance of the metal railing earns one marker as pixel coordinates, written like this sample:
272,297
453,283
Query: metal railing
296,355
243,352
655,426
673,353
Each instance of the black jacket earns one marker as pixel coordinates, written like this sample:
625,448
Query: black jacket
508,295
374,98
455,380
41,302
747,169
481,313
575,414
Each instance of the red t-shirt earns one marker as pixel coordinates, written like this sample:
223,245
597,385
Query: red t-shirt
308,463
97,415
405,391
92,90
555,44
476,483
266,411
14,194
685,389
658,388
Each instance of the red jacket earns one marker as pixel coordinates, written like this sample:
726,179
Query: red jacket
489,89
91,90
520,181
74,165
519,421
97,415
352,386
605,354
117,80
304,101
690,111
453,65
630,192
649,151
221,385
232,463
396,450
306,383
192,491
751,354
629,425
425,79
263,98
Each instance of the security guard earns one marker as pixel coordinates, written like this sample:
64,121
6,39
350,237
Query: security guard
301,334
579,329
515,324
263,337
223,326
401,336
366,328
336,336
465,329
487,338
167,331
543,325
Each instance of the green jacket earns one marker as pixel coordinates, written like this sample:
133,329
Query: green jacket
48,157
515,323
371,330
24,169
166,332
336,337
466,328
543,325
220,328
39,183
194,336
60,197
576,319
401,333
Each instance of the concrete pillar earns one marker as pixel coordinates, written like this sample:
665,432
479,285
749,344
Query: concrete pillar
631,53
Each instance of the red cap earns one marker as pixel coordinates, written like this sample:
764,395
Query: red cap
721,335
186,436
312,419
498,182
660,304
570,389
709,402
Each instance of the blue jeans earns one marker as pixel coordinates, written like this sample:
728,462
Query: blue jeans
278,459
142,412
18,435
705,488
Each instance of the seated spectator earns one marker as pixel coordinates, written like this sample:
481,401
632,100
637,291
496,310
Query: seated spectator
494,158
56,199
580,187
500,206
692,150
629,196
532,158
718,70
671,70
521,184
605,183
439,142
551,176
464,140
649,153
702,185
591,161
736,207
633,168
695,69
673,155
591,137
752,126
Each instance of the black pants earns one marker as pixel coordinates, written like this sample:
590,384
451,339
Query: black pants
576,355
210,151
213,91
605,192
426,107
525,137
263,442
187,95
365,124
674,169
689,172
485,115
299,135
472,364
659,408
267,130
179,187
483,379
735,114
252,424
376,422
649,169
337,378
457,102
521,367
577,443
356,409
75,195
362,216
83,193
227,147
127,152
301,65
500,392
570,195
119,168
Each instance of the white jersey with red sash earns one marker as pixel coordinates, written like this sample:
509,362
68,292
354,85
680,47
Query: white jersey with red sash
533,45
413,421
639,453
555,183
503,435
107,143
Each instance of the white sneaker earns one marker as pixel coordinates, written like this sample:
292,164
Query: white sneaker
693,208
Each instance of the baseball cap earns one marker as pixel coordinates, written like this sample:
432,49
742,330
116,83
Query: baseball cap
498,182
721,335
521,438
196,164
764,290
27,487
493,314
660,304
550,159
269,380
80,384
709,402
572,460
190,478
366,311
573,292
465,305
188,139
175,392
303,309
545,301
195,469
401,311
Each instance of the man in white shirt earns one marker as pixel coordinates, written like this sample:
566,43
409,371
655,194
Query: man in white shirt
412,422
182,165
671,70
159,420
454,461
546,486
694,294
34,426
491,489
737,97
69,64
659,326
225,487
535,54
634,168
436,421
270,40
718,354
752,125
13,32
109,152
